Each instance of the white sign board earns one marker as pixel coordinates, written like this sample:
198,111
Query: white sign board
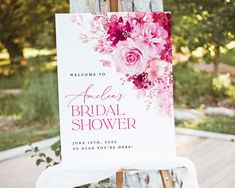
115,89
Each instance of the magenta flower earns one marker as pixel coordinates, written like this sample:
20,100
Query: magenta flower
139,46
118,31
164,20
141,81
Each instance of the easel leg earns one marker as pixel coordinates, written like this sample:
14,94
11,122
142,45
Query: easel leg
166,179
113,5
119,179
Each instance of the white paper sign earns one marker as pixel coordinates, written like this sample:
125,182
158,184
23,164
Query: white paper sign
115,89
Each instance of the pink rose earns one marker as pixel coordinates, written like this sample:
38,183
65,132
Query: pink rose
130,57
151,33
156,68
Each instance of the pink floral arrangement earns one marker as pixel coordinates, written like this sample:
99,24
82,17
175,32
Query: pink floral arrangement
140,48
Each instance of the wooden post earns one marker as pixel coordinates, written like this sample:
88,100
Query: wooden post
119,179
113,5
166,179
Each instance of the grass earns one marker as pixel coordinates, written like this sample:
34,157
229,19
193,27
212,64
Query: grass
219,124
9,105
191,87
35,110
14,77
228,57
194,88
39,101
17,136
11,81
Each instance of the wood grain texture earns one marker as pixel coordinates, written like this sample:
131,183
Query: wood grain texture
113,5
166,179
119,179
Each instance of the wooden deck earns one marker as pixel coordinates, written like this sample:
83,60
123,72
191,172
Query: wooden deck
214,160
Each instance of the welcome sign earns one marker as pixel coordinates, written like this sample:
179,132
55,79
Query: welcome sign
115,89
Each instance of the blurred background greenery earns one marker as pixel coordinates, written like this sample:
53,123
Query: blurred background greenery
204,66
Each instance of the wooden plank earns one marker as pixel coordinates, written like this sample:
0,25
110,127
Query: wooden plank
218,176
207,146
227,182
221,150
195,151
183,142
216,166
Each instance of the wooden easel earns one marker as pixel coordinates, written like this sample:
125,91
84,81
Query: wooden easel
116,6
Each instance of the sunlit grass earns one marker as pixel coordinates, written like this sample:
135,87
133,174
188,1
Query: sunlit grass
31,52
36,109
28,53
228,57
18,136
4,55
219,124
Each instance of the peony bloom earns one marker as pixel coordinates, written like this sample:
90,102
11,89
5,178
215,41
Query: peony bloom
156,69
130,58
118,31
164,20
151,33
139,18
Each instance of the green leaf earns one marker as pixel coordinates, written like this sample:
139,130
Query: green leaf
57,153
48,159
42,155
28,150
36,149
55,163
39,161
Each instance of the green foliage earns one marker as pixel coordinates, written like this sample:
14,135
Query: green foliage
11,78
192,86
39,100
228,57
222,87
221,124
205,24
34,112
9,105
20,20
56,147
41,158
10,82
28,23
17,134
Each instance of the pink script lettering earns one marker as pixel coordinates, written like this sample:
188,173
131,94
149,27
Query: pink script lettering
106,94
